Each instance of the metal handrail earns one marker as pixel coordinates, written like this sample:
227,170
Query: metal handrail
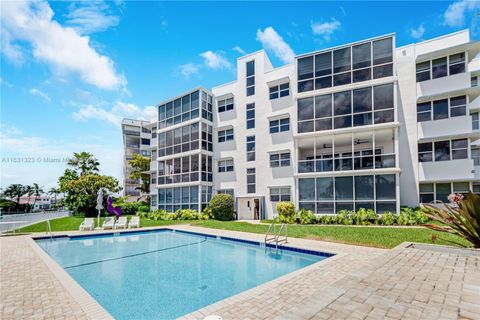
277,234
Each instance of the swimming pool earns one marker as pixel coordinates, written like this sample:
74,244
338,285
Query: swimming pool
164,274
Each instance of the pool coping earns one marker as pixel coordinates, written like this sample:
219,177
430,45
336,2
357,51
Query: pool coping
94,309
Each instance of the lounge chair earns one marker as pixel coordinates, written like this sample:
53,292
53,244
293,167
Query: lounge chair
121,223
109,223
134,222
87,224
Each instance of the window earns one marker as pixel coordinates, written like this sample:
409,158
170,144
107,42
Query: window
360,62
250,115
251,148
172,199
459,149
424,111
207,137
442,191
251,187
225,165
154,132
279,125
280,194
425,152
474,81
225,135
250,78
145,130
458,106
226,191
146,142
461,187
279,91
225,105
476,155
457,63
207,102
280,159
475,121
332,194
441,67
442,150
179,110
349,108
183,139
427,193
177,170
440,109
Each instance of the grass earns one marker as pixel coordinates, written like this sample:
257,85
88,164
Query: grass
379,237
366,236
72,223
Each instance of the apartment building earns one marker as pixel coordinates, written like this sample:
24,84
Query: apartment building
136,136
362,125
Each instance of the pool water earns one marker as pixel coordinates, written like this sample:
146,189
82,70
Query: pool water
167,274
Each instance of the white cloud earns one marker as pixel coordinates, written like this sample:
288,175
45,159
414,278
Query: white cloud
325,29
238,49
91,17
115,115
418,32
457,12
62,48
39,93
272,41
215,60
188,69
6,83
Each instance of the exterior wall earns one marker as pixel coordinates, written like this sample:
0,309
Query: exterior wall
398,138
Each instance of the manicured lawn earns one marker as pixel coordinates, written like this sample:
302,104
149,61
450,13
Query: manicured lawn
367,236
72,223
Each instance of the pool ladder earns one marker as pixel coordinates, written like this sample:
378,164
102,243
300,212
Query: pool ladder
276,235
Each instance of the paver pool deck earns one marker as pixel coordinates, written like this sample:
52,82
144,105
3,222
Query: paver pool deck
407,282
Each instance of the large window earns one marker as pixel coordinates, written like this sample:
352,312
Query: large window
225,135
439,192
206,195
360,62
279,125
207,103
184,139
185,169
442,109
225,105
251,148
225,165
280,194
359,107
251,180
475,121
443,150
476,155
279,91
281,159
250,78
441,67
172,199
332,194
180,110
250,115
226,191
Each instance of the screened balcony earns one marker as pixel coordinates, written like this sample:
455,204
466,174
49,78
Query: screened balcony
347,152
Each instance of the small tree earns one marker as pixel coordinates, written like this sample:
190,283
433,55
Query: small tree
286,211
84,163
37,192
221,207
140,170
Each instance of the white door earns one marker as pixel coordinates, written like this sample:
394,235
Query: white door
245,209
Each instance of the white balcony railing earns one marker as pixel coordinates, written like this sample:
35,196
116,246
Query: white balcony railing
453,170
437,86
455,126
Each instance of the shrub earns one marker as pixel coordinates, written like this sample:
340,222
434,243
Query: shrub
410,217
345,217
387,219
286,211
364,216
186,214
306,216
221,207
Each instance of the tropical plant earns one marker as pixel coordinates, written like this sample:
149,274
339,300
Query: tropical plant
15,191
29,193
140,167
462,217
84,163
55,192
37,192
286,211
221,207
306,216
387,219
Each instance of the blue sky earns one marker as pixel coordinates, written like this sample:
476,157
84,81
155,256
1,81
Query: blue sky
71,70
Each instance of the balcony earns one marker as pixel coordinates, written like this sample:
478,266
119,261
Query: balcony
453,170
456,82
360,162
451,127
474,105
131,133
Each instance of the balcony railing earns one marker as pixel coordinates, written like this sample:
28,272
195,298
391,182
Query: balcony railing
379,161
131,133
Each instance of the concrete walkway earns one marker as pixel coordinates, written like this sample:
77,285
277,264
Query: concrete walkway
422,282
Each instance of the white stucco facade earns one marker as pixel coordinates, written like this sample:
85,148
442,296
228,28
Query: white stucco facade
360,125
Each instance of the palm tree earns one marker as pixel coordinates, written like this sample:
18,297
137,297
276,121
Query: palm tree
84,162
55,192
29,192
37,192
15,191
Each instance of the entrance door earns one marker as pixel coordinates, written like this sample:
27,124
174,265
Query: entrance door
248,209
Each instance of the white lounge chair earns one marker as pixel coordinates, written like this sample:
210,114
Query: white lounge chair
134,222
109,223
121,223
86,224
